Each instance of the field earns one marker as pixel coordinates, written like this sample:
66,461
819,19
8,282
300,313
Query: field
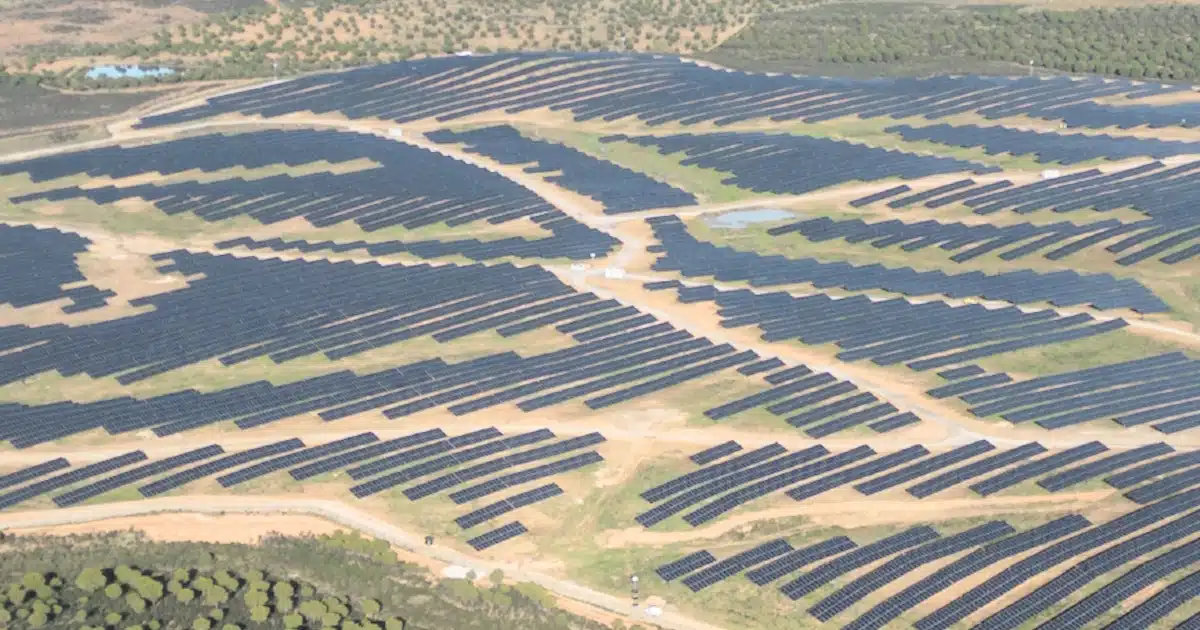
463,267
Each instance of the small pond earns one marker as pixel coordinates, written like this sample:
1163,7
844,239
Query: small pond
132,72
739,219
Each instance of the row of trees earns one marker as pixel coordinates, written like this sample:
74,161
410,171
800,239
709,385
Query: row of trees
340,582
248,42
1161,41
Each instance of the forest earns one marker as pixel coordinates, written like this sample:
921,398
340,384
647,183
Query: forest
335,582
1159,41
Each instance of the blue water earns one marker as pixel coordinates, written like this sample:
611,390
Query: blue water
133,72
741,218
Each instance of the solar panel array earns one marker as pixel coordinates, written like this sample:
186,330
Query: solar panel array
617,188
1129,242
799,388
247,308
1157,190
658,89
736,564
411,187
695,258
504,506
212,467
38,262
569,239
924,336
29,473
1045,146
292,458
1030,470
793,164
1160,390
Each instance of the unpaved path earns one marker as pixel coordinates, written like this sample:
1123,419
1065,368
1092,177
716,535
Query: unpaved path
342,515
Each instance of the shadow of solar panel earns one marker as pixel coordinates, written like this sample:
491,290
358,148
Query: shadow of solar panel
982,467
390,480
733,565
343,460
295,457
908,561
696,477
914,594
504,506
1045,559
1027,471
1112,594
133,475
1071,580
37,470
497,536
1164,466
742,495
1161,604
855,559
703,458
795,560
70,477
684,565
423,452
697,494
458,477
924,467
525,476
829,482
1079,474
183,477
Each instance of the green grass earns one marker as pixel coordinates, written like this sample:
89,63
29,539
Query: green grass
1112,347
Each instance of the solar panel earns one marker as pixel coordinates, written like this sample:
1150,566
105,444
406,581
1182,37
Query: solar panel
182,477
709,473
1079,474
712,454
1164,466
1030,470
828,482
922,468
127,477
962,473
296,457
497,536
798,559
735,564
684,565
525,476
860,557
379,448
33,472
504,506
1164,487
70,477
423,452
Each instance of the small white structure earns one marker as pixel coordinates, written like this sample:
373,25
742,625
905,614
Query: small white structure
455,572
653,611
396,132
463,53
1051,174
614,273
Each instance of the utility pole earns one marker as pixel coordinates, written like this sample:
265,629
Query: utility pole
1030,67
633,585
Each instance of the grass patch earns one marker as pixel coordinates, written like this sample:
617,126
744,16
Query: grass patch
1112,347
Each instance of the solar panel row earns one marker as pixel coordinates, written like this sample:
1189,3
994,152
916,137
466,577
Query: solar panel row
497,536
707,456
295,457
736,564
659,90
39,262
504,506
693,257
70,477
183,477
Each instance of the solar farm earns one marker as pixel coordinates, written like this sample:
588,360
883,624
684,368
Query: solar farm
795,352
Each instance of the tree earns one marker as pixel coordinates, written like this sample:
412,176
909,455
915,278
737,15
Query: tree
371,607
113,591
37,619
496,577
202,623
260,614
293,620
